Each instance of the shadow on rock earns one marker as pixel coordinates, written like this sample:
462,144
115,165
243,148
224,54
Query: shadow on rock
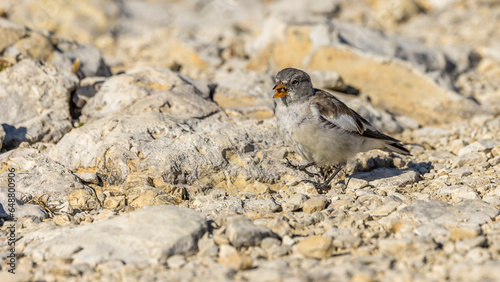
13,136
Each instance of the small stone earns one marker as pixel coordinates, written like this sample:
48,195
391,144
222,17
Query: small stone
287,241
114,202
63,219
295,202
469,159
456,145
176,261
494,161
258,188
207,247
496,151
464,232
238,261
314,204
356,183
280,226
241,232
269,242
268,205
461,172
438,232
88,177
316,247
484,146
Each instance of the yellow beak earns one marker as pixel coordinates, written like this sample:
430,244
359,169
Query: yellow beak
280,90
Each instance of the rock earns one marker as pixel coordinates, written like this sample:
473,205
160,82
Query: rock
459,192
87,89
176,261
246,91
65,55
280,226
295,202
268,205
165,231
468,271
467,214
81,21
63,219
473,158
148,89
496,151
241,232
86,59
21,210
438,232
316,247
386,177
485,146
237,261
88,177
315,204
36,99
38,177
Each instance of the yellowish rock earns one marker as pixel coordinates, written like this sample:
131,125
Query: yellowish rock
316,247
315,204
62,219
237,261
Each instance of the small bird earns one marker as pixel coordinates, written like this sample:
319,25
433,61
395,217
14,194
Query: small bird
322,129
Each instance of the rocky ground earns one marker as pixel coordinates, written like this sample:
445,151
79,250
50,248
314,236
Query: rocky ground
144,145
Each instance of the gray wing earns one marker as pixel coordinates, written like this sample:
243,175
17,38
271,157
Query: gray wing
333,113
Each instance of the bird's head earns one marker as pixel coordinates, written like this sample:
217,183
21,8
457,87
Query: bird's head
292,83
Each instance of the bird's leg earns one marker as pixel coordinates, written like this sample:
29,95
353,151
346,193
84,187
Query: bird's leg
325,186
301,167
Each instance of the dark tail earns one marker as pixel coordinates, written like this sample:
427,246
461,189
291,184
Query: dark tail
398,148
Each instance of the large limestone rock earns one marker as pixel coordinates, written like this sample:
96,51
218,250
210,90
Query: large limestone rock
150,235
35,102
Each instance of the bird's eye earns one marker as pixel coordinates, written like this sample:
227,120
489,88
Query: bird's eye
294,82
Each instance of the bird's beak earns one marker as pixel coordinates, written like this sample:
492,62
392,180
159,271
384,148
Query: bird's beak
281,90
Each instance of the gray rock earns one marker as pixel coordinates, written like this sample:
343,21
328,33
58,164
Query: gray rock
426,211
91,61
35,103
470,213
21,209
212,207
295,202
473,158
241,232
87,89
438,232
484,146
459,192
387,177
248,92
268,205
148,89
88,177
165,231
38,176
21,42
10,33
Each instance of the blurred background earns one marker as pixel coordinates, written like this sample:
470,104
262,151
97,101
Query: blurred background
409,57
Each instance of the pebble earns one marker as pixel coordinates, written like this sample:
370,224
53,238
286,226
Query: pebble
316,247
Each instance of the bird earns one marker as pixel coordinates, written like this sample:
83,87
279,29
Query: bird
322,129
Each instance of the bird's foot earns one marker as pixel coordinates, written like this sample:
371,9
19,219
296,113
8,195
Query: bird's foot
322,188
302,168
